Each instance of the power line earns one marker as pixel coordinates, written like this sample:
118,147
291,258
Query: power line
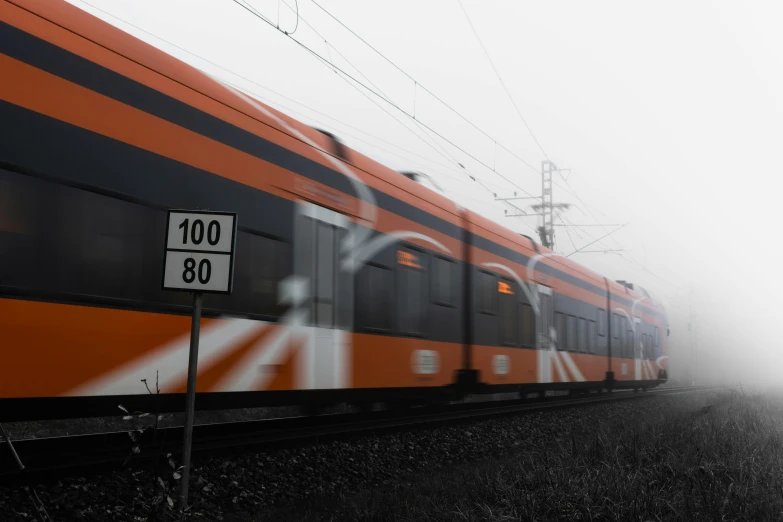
279,94
331,65
590,225
343,133
418,85
571,239
256,13
586,206
588,234
386,98
587,245
467,172
519,113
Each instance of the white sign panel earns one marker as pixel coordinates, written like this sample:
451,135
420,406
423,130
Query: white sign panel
199,254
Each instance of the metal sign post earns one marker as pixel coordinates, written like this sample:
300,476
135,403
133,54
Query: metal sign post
199,258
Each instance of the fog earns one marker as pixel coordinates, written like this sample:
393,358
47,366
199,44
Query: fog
668,115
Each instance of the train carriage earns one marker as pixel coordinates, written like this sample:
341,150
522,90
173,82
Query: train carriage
352,282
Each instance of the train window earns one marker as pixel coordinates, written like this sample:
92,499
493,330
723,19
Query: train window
571,325
443,291
528,323
582,331
59,239
657,337
560,331
63,240
259,266
413,300
591,331
103,243
630,340
601,319
487,293
508,313
267,262
374,297
22,206
616,328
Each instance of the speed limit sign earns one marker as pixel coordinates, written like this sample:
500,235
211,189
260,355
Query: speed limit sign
199,255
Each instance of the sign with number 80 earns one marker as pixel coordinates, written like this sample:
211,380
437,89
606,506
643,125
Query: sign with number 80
204,271
199,254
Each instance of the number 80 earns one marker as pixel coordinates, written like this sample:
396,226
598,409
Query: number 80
204,271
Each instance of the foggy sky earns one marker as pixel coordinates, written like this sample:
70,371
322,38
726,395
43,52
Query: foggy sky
668,114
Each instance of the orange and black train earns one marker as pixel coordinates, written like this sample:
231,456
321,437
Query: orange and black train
352,282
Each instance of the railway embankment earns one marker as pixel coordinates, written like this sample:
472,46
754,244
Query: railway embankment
713,455
689,456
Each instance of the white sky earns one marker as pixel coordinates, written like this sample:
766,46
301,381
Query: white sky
668,113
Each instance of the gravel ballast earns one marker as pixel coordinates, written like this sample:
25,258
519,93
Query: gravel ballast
245,487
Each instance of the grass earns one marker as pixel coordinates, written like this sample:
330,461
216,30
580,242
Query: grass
719,461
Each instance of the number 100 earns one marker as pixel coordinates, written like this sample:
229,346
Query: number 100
197,232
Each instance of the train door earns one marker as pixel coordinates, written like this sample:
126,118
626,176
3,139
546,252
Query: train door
636,345
545,319
329,296
544,341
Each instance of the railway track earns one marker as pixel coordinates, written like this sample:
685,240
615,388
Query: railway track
54,457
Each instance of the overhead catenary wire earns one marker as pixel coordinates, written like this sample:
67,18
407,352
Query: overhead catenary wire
418,84
587,245
570,238
444,152
350,77
329,62
245,78
390,102
457,167
249,8
586,206
524,121
500,79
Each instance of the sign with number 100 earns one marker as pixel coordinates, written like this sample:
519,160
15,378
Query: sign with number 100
199,254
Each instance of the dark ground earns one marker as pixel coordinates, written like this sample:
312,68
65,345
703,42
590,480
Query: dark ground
701,456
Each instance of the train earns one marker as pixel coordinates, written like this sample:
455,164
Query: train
353,282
